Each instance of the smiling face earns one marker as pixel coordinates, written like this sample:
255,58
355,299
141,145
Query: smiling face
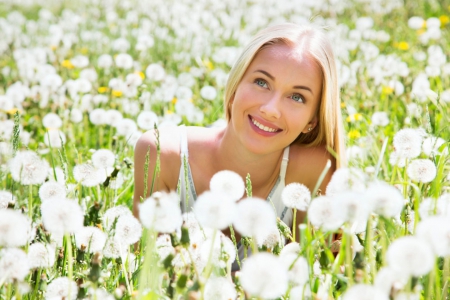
277,98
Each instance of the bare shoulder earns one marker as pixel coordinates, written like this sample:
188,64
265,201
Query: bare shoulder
306,164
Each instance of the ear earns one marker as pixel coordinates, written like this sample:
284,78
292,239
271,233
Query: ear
311,125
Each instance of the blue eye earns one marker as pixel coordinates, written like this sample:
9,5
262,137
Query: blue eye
261,83
297,98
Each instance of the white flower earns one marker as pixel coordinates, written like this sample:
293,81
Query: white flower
416,22
88,175
208,92
345,179
387,279
28,168
421,170
76,115
290,248
435,231
219,288
128,229
6,198
385,199
114,248
321,214
15,228
14,264
255,217
263,275
296,195
396,160
112,214
61,288
52,120
410,256
432,144
299,272
380,118
270,240
214,210
123,61
408,143
99,294
146,120
352,209
54,138
91,238
56,174
98,116
125,127
80,61
161,212
300,293
155,72
61,215
229,183
103,158
52,189
164,246
364,292
41,256
89,74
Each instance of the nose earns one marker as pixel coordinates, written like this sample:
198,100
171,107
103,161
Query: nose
271,107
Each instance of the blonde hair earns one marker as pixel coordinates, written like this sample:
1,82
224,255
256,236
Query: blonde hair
329,130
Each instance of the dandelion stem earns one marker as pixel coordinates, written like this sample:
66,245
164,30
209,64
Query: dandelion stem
445,276
348,256
369,248
70,261
233,238
125,272
38,281
294,225
18,294
30,202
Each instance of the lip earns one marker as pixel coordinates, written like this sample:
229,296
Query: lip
265,123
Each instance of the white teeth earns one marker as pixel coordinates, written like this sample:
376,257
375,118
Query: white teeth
262,127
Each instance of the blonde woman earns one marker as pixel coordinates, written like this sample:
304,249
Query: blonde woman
284,122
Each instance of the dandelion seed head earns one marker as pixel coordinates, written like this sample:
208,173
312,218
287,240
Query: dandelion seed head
54,138
59,289
146,120
100,293
155,72
385,199
208,92
98,116
345,179
60,176
15,228
292,247
112,214
435,231
41,256
271,240
52,120
255,217
14,264
397,160
408,143
214,210
219,288
322,215
103,158
388,279
296,195
298,274
128,229
161,212
88,175
126,127
422,170
61,215
351,207
114,248
52,189
105,61
431,145
264,275
91,238
28,168
5,199
164,246
364,292
380,118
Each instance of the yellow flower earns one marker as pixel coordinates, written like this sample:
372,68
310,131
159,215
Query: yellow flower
116,93
402,45
444,20
67,64
354,117
53,47
169,112
343,105
99,226
141,74
209,64
421,31
84,50
12,111
102,89
387,90
354,134
174,100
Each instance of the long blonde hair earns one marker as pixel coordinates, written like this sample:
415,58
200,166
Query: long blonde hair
329,131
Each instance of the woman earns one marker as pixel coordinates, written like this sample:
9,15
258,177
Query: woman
283,111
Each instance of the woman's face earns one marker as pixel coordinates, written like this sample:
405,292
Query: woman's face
277,98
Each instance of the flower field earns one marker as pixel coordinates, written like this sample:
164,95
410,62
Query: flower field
81,81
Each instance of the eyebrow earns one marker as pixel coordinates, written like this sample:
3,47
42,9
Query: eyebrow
295,87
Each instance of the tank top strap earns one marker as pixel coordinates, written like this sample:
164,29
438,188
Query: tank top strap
284,163
183,143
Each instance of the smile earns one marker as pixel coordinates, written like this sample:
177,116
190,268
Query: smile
262,127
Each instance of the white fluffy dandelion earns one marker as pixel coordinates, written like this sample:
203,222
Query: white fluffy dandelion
91,238
5,199
435,231
52,120
296,195
41,255
112,214
229,183
353,209
380,118
255,217
421,170
263,275
219,288
388,279
432,144
52,189
164,246
54,138
385,199
103,158
14,264
114,248
411,256
88,175
345,179
298,274
62,288
408,143
28,168
208,92
128,229
146,120
322,214
161,213
215,210
155,72
61,215
15,228
397,160
364,292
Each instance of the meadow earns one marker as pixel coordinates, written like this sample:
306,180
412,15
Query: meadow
81,81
